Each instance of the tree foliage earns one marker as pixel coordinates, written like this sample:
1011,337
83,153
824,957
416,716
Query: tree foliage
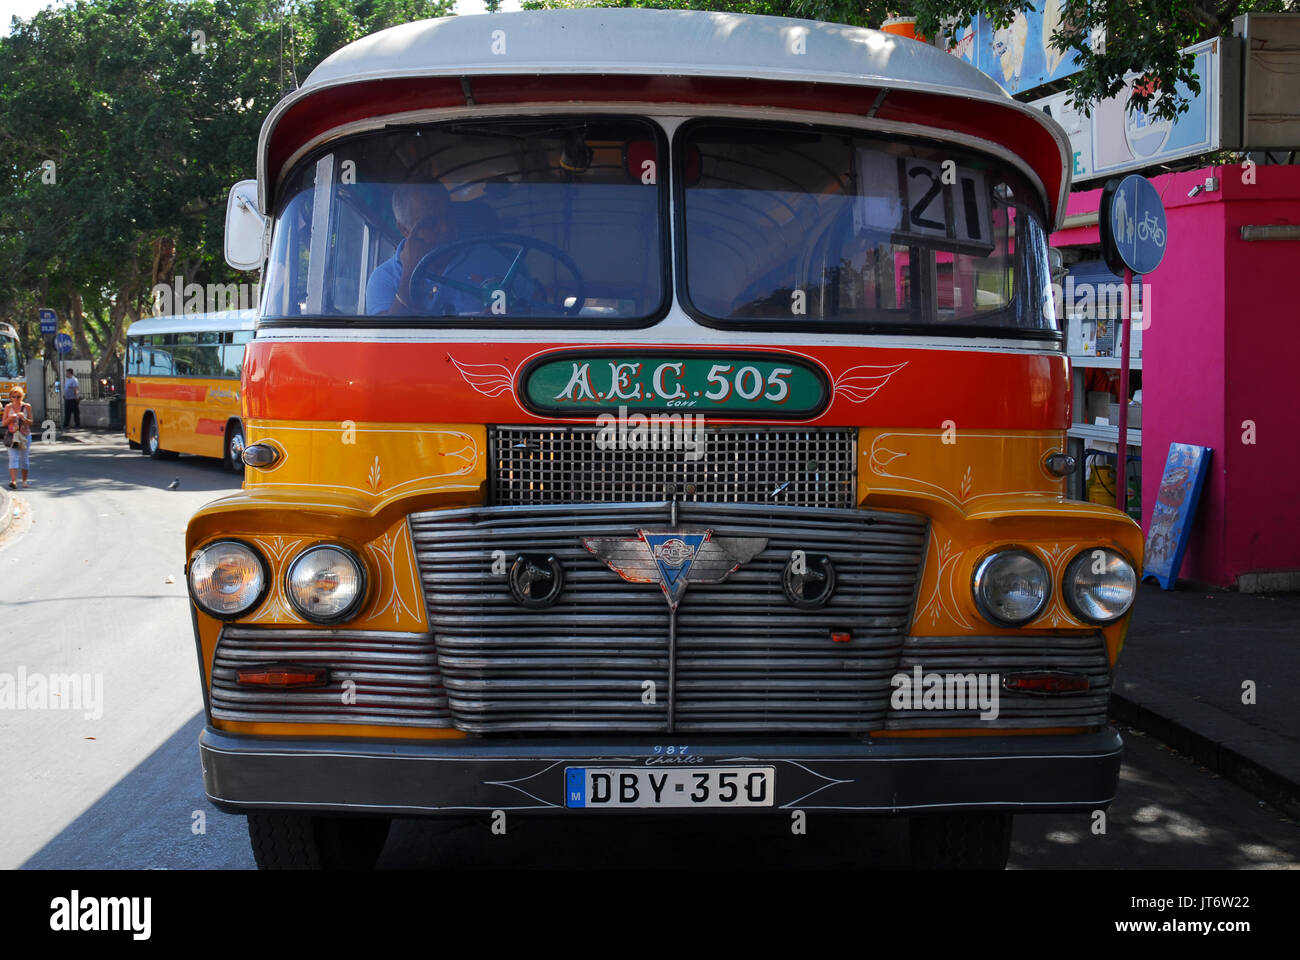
148,110
1111,38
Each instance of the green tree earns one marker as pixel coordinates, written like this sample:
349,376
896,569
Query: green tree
123,123
1110,37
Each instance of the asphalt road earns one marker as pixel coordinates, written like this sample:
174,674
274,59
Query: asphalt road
85,573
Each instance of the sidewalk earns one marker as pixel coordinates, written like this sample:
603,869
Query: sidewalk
1180,678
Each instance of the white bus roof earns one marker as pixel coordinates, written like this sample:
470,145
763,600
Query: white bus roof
195,323
382,75
670,42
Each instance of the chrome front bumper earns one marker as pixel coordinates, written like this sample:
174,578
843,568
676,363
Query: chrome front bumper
1076,772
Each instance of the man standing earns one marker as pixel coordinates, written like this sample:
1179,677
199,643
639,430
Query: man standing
71,399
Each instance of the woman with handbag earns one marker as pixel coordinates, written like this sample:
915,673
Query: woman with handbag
17,423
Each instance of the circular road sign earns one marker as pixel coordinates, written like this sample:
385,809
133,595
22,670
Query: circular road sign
63,343
1133,225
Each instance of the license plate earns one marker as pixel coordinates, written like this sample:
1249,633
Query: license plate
599,788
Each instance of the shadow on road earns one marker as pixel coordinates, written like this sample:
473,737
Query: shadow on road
147,820
100,461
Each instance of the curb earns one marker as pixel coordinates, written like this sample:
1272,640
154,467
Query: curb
6,509
1260,762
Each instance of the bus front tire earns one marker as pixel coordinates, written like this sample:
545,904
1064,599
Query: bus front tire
296,841
960,841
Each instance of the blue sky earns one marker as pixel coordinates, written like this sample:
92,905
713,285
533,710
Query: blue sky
25,8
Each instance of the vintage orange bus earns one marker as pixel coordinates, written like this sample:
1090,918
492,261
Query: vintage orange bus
654,411
12,371
182,385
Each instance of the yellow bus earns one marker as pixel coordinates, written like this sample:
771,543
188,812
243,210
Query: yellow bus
182,385
654,411
12,371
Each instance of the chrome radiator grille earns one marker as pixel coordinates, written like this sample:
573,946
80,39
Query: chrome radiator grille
736,656
395,676
781,466
1003,655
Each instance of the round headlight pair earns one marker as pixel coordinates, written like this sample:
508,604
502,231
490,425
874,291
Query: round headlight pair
324,583
1012,587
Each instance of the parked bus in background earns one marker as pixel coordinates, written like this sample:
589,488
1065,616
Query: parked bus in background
13,373
645,416
182,385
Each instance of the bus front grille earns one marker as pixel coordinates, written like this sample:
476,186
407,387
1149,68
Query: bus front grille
988,661
612,656
781,466
374,677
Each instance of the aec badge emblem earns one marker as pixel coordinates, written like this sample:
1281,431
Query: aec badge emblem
675,558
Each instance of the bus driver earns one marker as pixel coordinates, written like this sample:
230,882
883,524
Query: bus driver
425,219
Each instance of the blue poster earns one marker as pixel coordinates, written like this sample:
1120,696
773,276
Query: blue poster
1018,56
1171,520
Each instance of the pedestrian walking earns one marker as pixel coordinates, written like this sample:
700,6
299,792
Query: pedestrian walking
71,399
17,423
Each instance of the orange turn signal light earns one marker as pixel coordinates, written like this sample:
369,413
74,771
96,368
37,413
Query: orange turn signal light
1045,682
277,675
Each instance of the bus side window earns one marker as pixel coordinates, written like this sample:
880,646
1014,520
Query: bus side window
207,355
183,355
232,360
160,357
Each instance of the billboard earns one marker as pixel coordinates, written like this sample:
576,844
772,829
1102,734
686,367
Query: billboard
1115,139
1018,56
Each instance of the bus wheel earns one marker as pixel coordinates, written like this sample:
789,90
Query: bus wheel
235,448
152,445
297,841
961,841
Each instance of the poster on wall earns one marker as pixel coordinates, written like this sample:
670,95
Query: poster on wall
1115,139
1171,520
1018,56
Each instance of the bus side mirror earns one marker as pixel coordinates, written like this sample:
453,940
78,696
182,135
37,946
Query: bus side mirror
245,227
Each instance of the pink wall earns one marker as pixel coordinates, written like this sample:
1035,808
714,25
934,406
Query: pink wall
1223,346
1262,360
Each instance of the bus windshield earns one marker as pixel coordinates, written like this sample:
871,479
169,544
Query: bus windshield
11,362
791,226
501,219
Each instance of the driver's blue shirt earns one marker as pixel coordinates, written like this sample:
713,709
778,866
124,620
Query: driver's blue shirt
472,265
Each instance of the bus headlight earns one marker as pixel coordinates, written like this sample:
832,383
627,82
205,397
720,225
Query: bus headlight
1099,585
227,578
326,583
1011,587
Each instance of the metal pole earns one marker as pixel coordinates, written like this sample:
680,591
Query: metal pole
1121,481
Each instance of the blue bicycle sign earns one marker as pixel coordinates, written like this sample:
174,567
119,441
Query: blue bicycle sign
1133,225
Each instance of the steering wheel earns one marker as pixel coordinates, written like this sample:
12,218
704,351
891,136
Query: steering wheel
423,279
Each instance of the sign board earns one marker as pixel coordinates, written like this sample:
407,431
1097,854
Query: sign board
1133,226
1018,56
49,320
1115,139
63,343
1171,519
919,202
1270,102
